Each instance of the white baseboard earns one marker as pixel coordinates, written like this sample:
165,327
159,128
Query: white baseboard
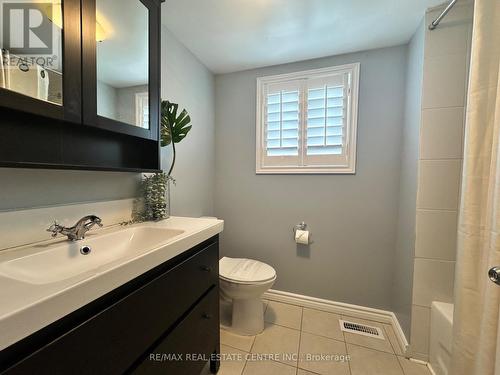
368,313
419,356
425,363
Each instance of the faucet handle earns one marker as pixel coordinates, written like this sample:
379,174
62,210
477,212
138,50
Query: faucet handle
94,220
54,228
98,221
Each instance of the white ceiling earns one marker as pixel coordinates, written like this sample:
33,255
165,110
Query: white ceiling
122,58
233,35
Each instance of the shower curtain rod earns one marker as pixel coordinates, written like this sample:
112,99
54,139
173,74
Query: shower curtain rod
435,23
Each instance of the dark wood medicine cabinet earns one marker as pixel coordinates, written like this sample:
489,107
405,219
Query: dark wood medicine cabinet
82,90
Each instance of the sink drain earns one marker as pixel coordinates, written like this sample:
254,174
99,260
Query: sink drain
85,250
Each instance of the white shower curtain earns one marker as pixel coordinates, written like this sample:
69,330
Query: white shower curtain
476,336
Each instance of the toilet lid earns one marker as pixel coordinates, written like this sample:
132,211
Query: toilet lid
245,270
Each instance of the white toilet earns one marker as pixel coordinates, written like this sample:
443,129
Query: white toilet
244,281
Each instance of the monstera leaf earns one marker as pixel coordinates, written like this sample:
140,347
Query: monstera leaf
173,127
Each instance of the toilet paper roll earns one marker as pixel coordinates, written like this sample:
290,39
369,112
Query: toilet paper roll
302,237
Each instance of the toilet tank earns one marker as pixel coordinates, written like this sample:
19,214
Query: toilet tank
441,337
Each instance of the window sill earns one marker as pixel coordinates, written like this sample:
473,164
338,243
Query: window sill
306,170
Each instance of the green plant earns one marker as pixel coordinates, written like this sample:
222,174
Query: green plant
151,206
174,128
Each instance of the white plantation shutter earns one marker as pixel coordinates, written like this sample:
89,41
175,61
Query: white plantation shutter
282,125
282,118
326,121
307,121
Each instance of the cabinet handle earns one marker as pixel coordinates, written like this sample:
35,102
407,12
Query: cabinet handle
207,316
206,268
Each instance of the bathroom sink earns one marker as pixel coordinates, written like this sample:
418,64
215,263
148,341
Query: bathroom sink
50,263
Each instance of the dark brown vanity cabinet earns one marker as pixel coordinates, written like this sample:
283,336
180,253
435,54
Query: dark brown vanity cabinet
80,84
163,322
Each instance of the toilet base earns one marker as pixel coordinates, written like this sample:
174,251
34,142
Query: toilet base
248,316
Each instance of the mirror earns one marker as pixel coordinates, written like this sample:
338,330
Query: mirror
31,49
122,61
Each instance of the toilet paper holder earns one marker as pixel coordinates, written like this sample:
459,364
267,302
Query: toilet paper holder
300,226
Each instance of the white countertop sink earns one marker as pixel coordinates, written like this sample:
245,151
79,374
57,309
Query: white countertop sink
43,282
55,262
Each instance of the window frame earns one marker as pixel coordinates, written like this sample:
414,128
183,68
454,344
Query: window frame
349,166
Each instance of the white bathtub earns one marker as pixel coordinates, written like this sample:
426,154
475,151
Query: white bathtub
440,337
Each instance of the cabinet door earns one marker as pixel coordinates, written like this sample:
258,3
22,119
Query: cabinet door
40,58
190,345
121,59
119,332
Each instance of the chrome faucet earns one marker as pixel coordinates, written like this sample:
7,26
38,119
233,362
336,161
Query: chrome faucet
77,231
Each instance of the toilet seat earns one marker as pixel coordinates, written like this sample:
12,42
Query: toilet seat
245,271
244,282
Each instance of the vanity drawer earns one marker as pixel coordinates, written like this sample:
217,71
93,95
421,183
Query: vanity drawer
186,349
118,334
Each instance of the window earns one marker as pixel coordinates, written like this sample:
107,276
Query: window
306,121
142,110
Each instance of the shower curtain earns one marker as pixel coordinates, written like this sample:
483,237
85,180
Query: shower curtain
476,333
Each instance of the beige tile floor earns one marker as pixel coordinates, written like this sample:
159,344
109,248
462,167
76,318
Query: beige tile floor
303,341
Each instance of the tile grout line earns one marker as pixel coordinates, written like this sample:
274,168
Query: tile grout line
253,341
395,354
324,337
294,329
241,350
280,325
250,352
376,350
234,347
309,371
384,327
345,344
244,367
401,366
251,346
300,338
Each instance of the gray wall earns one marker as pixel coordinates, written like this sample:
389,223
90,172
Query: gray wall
26,188
352,218
186,81
118,103
106,100
405,243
